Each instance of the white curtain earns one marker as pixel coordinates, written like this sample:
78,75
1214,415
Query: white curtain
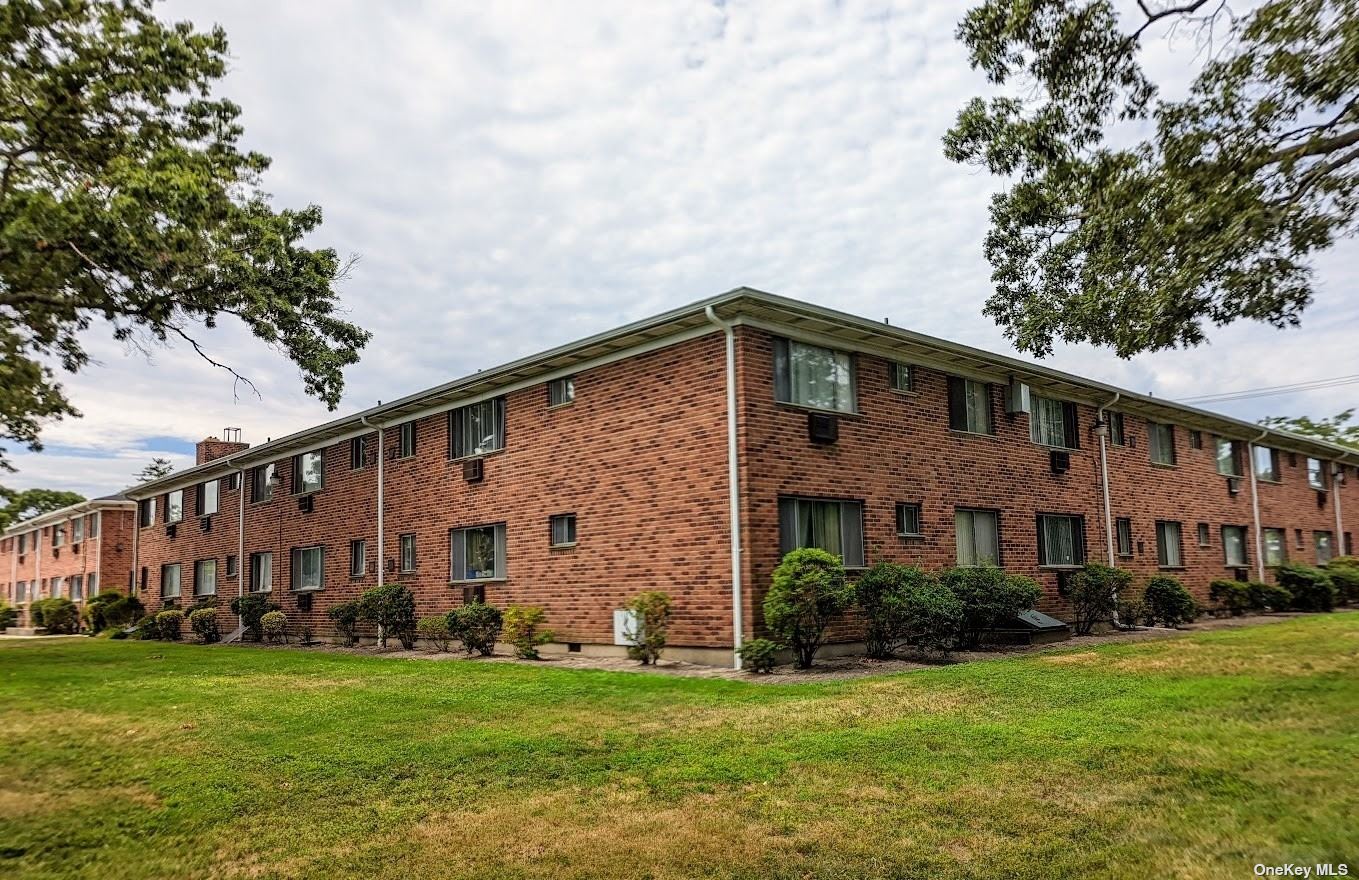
1046,425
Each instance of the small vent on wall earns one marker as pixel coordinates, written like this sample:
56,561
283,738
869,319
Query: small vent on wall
1234,485
205,523
822,429
171,530
306,503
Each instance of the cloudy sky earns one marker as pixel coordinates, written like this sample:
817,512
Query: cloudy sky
515,175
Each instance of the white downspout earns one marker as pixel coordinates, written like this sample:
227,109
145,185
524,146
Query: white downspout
135,588
242,564
1339,519
733,490
381,547
1104,481
1255,507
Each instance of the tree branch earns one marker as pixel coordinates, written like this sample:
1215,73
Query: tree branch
237,378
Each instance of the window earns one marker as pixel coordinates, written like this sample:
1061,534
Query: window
1161,442
308,472
146,512
308,568
833,526
55,586
1325,547
205,577
358,452
21,591
1266,463
207,497
261,572
232,566
174,506
808,375
169,581
1316,474
93,528
233,481
561,391
408,552
358,558
78,530
405,445
563,529
1123,529
1061,540
969,406
1053,423
58,535
977,534
1168,550
901,377
477,429
92,584
77,587
1276,547
1204,535
1234,546
477,554
1297,536
908,520
1117,435
1228,457
1195,439
22,540
262,482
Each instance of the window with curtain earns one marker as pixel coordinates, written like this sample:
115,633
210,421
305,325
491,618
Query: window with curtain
1266,463
1117,435
477,553
146,512
92,584
808,375
77,587
1168,547
1204,535
478,428
1234,546
977,535
169,580
1161,442
93,529
408,552
261,572
308,568
561,391
1276,547
969,406
1325,547
1061,540
1052,422
562,529
77,530
833,526
358,558
205,577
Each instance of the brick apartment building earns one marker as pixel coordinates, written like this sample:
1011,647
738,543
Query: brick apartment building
575,478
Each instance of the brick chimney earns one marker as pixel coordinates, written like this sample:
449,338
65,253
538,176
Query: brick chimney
211,448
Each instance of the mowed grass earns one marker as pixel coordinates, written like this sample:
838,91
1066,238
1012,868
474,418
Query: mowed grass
1191,757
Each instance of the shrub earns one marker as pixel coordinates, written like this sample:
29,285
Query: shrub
435,631
928,613
169,622
522,624
275,626
306,635
345,616
59,615
37,611
1268,597
759,655
878,593
1231,597
651,609
8,615
251,608
1168,602
1345,576
808,592
1092,593
147,628
1131,612
111,610
477,626
391,608
1310,587
988,596
203,622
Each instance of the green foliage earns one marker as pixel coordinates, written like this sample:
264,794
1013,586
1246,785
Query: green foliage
8,615
110,609
1268,597
905,605
148,629
1311,587
808,592
345,616
1168,602
251,608
652,611
1093,594
391,608
169,623
522,629
988,596
27,503
1336,429
275,626
1213,217
435,631
1231,597
58,615
203,622
477,625
125,197
1344,572
759,655
877,593
157,468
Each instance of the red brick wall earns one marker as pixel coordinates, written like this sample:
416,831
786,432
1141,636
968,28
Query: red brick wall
108,556
212,449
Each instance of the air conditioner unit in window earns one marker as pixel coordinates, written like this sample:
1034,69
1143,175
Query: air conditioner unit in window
1060,461
473,593
205,523
1234,485
1017,398
473,470
822,428
171,530
306,503
304,601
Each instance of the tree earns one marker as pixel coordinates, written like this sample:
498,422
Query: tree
1336,429
159,467
124,197
1211,217
808,592
28,503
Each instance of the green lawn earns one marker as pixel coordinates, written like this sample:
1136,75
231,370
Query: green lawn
1196,757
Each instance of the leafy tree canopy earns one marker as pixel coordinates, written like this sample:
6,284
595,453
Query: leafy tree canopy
124,197
1209,218
28,503
1336,429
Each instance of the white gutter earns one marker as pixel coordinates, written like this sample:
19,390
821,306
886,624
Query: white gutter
1255,506
1104,481
733,490
381,433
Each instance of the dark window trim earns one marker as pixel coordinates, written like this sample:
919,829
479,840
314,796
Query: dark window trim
1082,544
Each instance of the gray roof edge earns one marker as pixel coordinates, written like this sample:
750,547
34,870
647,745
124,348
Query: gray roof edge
108,502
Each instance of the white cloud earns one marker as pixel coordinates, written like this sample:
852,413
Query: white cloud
515,175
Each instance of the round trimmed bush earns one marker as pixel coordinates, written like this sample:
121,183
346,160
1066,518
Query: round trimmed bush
759,655
435,631
477,626
203,622
275,626
1311,587
1168,602
169,622
807,593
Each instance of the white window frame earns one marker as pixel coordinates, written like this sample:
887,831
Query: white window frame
1316,474
1270,473
300,581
